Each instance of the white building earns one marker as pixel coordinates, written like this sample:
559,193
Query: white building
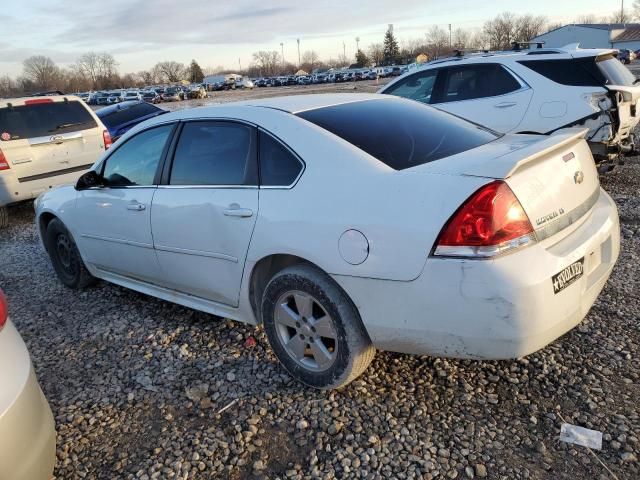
597,35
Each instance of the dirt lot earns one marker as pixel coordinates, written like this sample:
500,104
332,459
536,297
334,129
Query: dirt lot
141,388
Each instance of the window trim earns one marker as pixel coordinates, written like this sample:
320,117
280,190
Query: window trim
156,177
443,76
295,155
165,175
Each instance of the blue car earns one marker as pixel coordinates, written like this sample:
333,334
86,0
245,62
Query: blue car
121,117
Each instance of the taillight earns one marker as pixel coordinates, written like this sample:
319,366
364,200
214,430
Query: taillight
4,163
107,139
4,310
491,222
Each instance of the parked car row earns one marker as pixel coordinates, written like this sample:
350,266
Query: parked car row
148,94
336,76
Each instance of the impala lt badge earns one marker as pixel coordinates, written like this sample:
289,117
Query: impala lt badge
578,177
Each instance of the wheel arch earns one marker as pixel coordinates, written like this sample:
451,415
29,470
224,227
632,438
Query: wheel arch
44,219
264,270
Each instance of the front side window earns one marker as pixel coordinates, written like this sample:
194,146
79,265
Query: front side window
477,81
418,86
278,166
215,153
135,162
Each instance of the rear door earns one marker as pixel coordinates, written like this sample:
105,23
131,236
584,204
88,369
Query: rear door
204,213
46,137
487,94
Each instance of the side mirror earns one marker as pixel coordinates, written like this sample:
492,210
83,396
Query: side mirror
88,180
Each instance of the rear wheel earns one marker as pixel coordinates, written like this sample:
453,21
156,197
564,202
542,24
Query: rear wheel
314,328
65,257
4,217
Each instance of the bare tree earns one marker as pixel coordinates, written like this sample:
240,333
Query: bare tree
170,71
7,86
42,71
586,19
461,38
529,26
310,60
267,62
621,16
147,76
376,53
501,31
437,41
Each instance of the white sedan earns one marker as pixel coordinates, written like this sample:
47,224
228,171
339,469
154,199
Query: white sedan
345,223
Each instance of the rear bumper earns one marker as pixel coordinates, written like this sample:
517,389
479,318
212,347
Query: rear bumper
27,430
491,309
12,191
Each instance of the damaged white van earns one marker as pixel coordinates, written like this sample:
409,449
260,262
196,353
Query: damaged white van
538,90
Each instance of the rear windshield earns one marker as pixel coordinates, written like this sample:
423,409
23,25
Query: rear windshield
614,71
584,71
44,119
400,133
125,115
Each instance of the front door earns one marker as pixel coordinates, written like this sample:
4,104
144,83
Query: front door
203,218
114,222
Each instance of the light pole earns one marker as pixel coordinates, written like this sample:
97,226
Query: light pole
357,44
239,65
282,47
298,40
449,36
344,51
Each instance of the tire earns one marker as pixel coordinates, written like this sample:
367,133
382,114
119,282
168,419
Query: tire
296,301
65,257
4,217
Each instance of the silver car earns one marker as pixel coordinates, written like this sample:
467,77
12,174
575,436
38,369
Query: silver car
27,430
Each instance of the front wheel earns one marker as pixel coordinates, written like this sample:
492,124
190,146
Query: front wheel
314,329
65,257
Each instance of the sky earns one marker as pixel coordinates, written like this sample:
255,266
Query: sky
140,33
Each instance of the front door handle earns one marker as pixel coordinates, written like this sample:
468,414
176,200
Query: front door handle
136,206
238,212
505,105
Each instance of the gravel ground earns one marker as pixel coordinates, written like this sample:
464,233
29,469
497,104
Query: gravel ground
141,388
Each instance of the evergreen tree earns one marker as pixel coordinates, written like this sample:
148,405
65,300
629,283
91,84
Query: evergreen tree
391,49
361,59
195,72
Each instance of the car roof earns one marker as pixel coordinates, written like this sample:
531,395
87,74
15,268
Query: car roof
19,101
300,103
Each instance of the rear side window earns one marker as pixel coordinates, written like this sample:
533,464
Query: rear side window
418,86
477,81
215,153
278,166
44,119
577,72
399,133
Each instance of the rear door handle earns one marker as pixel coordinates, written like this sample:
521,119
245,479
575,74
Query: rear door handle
505,105
238,212
136,206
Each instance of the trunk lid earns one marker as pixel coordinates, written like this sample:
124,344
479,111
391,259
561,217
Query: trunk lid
554,177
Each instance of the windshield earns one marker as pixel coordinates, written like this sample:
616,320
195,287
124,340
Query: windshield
614,71
400,133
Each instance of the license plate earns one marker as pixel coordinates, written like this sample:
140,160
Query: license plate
569,275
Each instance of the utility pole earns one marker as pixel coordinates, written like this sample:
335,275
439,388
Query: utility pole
282,47
449,36
344,51
357,44
622,12
239,65
298,40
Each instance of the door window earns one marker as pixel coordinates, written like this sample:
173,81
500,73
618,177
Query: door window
418,86
477,81
278,166
135,162
215,153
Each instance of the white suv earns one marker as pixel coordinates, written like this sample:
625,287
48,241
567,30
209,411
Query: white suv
534,91
45,142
